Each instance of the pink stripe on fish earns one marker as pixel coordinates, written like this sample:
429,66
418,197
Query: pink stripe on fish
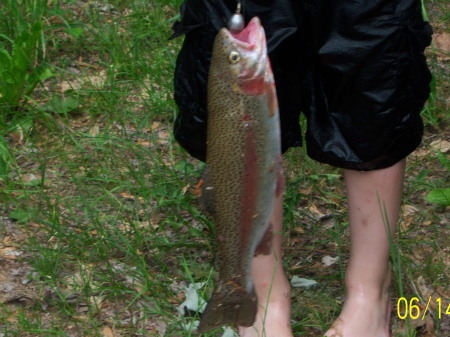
250,181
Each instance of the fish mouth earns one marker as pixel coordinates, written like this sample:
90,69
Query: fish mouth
251,35
251,42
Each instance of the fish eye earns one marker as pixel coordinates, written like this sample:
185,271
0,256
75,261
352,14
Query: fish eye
234,57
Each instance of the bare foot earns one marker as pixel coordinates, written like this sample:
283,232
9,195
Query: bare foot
362,317
273,322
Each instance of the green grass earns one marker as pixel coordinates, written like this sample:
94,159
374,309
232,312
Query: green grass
98,197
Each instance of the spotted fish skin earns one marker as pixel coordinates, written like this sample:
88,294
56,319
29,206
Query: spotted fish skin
244,167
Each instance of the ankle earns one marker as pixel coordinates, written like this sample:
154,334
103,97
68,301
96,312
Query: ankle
272,320
275,291
364,290
362,293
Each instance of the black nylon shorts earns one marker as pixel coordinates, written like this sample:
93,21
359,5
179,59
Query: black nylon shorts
355,68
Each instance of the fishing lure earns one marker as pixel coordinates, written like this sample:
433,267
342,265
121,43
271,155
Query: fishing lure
236,23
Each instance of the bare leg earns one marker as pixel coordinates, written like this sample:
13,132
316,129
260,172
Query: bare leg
370,195
272,288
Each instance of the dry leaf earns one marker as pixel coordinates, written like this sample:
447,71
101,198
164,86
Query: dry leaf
8,241
17,136
424,290
299,229
127,196
3,276
96,302
297,282
442,43
306,191
192,300
295,241
96,80
315,211
425,326
94,131
440,145
408,210
155,125
10,253
443,292
107,332
328,221
421,152
329,260
406,223
66,85
185,188
143,143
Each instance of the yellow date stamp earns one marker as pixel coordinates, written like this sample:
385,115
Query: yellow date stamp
414,309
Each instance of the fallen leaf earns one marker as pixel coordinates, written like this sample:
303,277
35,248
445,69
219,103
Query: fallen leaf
421,152
155,125
94,131
228,332
329,260
3,276
424,327
443,292
185,188
8,241
10,253
315,211
406,223
441,145
193,302
143,143
408,210
424,290
327,221
299,229
66,85
190,326
96,80
298,282
442,42
306,191
107,332
96,301
295,240
127,196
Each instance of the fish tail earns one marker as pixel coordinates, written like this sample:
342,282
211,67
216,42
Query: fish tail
229,304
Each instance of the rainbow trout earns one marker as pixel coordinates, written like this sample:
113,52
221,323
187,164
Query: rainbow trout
244,167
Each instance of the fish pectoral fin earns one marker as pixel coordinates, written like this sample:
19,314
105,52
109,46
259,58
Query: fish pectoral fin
231,305
265,245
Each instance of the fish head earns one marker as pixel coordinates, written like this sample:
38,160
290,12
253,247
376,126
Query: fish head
244,58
